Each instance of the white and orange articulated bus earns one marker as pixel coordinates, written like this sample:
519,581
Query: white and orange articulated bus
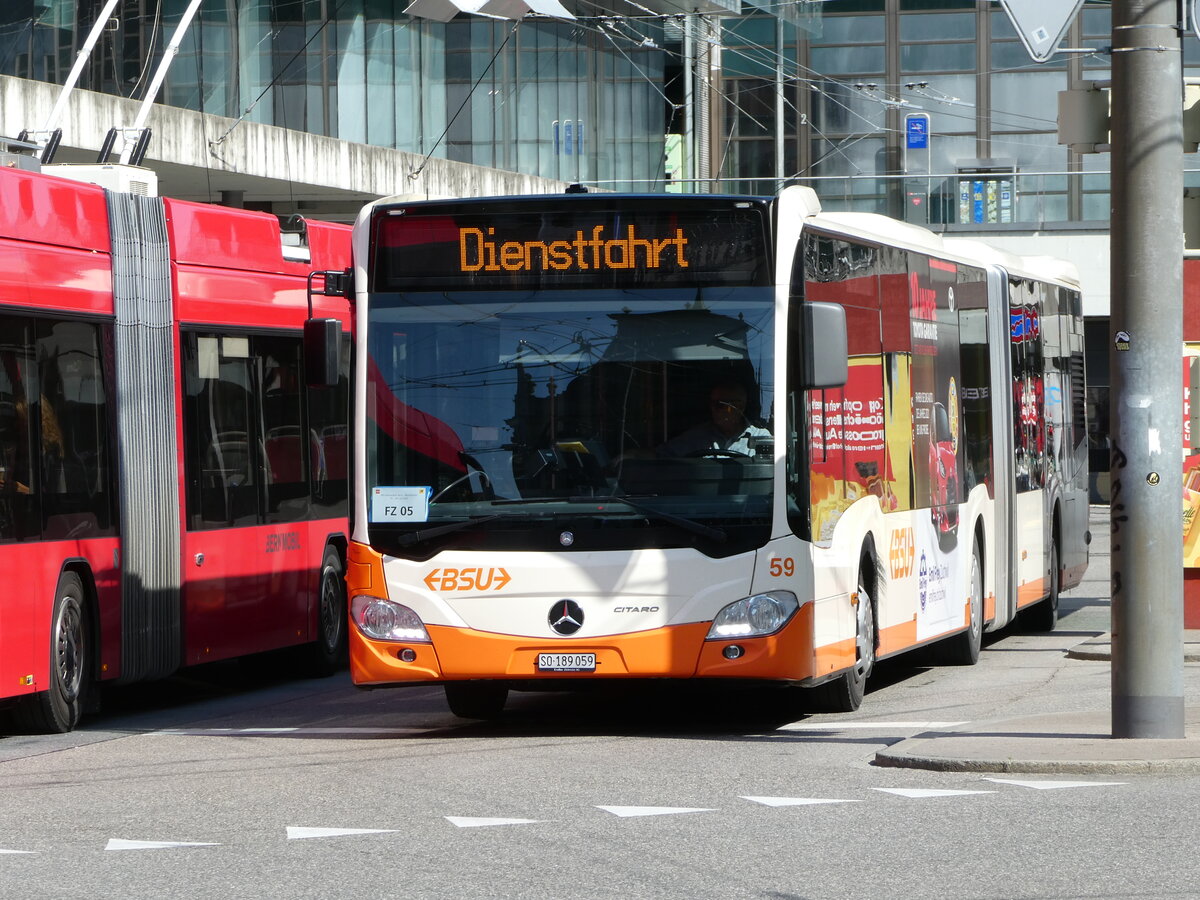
604,437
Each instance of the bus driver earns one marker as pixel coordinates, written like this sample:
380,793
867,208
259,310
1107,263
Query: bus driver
728,429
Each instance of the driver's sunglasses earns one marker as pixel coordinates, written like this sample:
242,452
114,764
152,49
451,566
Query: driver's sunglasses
726,406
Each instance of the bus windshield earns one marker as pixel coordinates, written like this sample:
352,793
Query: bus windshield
547,405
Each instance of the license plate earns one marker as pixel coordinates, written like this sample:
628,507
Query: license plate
566,662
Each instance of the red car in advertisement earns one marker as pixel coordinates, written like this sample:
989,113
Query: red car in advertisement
943,473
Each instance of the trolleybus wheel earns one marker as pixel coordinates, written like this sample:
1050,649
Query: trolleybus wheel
328,651
963,649
58,709
476,699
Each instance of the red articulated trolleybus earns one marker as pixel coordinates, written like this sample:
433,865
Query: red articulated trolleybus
609,437
172,489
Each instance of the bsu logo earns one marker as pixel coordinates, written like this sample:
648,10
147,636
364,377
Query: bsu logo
470,579
901,553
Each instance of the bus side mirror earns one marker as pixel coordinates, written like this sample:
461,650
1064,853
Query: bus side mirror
823,346
322,345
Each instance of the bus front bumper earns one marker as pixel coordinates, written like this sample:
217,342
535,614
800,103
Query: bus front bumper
678,651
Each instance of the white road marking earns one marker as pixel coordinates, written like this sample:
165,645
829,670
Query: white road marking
1055,785
468,822
295,833
921,793
626,812
794,801
121,844
14,851
291,731
867,726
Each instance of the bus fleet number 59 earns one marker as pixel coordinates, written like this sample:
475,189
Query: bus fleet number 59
785,566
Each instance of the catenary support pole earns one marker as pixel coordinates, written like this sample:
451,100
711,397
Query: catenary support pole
1146,365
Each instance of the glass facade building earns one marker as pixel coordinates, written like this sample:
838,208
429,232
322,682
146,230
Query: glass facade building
578,101
817,93
855,76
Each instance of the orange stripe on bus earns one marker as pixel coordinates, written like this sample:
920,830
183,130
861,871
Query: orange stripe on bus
1031,592
895,638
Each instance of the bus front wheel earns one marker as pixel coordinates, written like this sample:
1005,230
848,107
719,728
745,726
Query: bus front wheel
845,692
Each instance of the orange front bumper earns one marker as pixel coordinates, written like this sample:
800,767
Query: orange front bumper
678,651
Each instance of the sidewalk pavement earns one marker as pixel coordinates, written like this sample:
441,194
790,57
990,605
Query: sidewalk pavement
1074,743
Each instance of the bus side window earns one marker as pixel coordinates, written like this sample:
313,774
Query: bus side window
896,353
843,429
72,412
975,392
19,496
220,432
329,426
1028,388
284,445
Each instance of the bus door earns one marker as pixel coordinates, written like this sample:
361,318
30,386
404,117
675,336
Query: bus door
245,582
1030,434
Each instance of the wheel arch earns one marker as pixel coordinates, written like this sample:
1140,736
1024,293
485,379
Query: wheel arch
340,542
871,565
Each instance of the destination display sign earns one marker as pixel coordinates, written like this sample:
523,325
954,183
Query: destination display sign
572,244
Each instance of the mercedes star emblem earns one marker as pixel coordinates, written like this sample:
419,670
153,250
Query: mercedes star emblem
566,617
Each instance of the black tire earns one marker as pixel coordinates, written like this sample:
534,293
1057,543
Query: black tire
1043,616
845,692
476,699
328,652
58,709
963,649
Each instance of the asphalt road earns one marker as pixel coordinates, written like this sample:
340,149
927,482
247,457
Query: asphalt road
219,785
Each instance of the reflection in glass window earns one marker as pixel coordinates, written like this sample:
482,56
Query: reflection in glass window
56,472
515,404
223,451
328,417
937,58
285,441
260,445
19,496
947,27
78,499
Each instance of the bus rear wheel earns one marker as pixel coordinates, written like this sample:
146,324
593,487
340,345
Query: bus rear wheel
476,699
58,709
963,648
1043,616
327,653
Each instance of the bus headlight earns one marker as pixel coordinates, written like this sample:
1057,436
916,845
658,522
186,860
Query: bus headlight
385,620
755,616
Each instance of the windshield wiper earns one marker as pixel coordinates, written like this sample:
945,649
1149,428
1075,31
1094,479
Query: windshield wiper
411,537
713,534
